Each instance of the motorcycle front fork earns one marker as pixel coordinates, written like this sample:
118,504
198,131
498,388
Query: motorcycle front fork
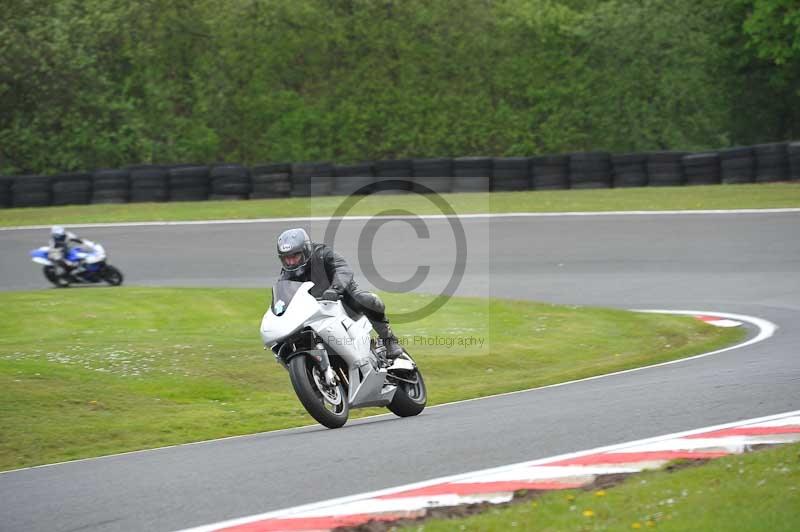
321,354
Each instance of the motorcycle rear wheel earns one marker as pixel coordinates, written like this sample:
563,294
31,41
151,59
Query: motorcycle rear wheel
411,397
112,275
326,404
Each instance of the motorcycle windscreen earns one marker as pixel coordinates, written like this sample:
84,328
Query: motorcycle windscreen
282,294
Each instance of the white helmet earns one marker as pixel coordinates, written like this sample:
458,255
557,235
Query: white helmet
58,234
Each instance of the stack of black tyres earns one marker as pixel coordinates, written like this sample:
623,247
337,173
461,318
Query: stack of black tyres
188,182
665,168
590,170
701,168
312,179
399,171
737,165
434,175
192,182
229,182
550,172
31,191
74,188
270,180
149,183
793,153
629,170
111,186
5,191
511,173
771,162
471,174
352,178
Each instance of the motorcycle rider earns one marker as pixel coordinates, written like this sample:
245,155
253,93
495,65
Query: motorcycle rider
62,241
303,260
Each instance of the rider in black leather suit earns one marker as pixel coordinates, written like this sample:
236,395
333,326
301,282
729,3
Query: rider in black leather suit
303,260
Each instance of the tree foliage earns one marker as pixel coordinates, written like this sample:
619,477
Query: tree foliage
773,27
93,83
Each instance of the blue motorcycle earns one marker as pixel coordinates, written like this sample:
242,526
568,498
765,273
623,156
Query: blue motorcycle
78,265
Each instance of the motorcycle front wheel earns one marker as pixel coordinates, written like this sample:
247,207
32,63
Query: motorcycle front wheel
50,273
327,404
112,276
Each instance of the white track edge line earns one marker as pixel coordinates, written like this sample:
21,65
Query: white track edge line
766,330
289,512
414,217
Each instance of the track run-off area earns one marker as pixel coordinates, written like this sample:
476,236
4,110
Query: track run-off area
745,262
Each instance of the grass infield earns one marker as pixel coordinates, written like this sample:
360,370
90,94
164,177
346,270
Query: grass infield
754,196
754,491
93,371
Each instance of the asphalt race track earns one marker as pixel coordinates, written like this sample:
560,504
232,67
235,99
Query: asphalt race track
739,263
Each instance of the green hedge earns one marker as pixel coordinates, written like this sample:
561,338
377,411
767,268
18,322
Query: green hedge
100,83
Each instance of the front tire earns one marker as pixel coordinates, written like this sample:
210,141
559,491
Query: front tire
411,395
57,275
50,274
326,404
112,276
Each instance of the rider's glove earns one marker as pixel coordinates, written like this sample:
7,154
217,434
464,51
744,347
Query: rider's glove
331,295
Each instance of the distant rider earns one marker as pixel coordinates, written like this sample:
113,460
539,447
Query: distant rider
303,260
64,241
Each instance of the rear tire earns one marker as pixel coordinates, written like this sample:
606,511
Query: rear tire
112,276
409,399
330,408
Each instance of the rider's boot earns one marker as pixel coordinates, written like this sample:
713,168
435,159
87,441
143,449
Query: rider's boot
393,348
387,340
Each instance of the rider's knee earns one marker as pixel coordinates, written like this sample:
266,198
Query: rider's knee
370,301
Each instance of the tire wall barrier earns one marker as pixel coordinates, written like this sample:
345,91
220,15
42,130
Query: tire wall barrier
762,163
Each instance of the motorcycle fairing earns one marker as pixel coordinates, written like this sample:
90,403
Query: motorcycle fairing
339,333
39,255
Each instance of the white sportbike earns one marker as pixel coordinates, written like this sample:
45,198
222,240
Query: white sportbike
333,361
